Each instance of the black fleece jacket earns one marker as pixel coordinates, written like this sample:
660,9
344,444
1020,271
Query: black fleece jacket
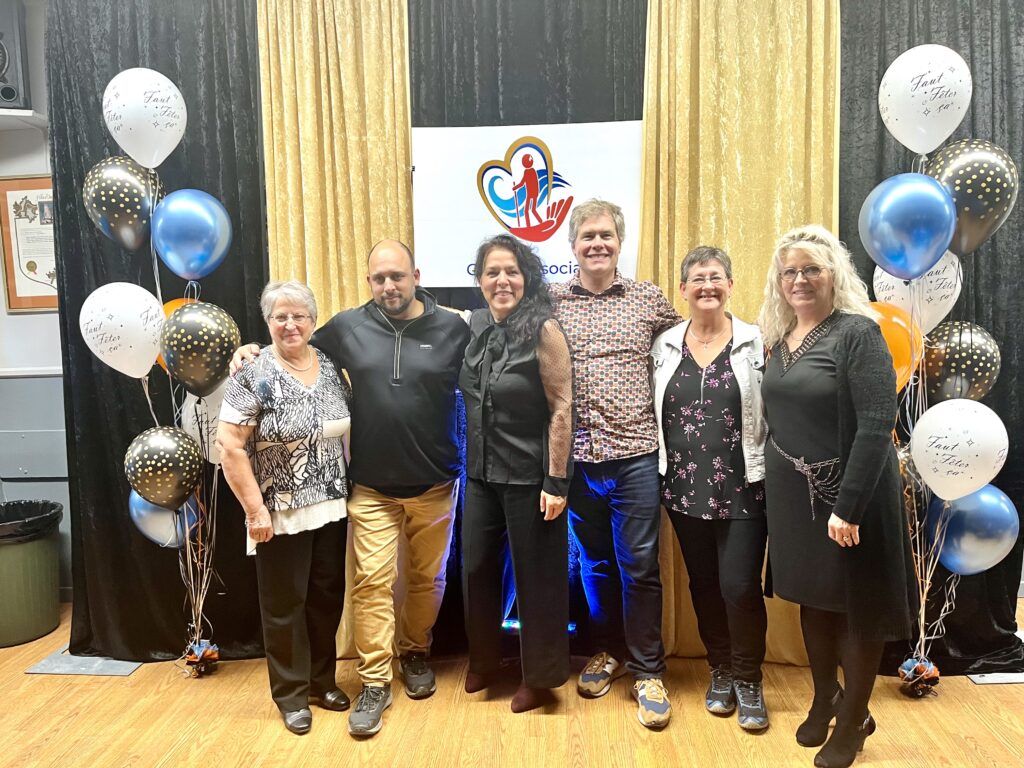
404,423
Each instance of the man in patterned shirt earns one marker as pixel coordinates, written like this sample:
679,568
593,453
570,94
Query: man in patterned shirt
614,506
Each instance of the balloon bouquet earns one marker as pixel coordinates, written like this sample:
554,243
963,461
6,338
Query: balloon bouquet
916,227
130,329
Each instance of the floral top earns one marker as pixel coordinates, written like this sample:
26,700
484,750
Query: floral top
610,336
706,476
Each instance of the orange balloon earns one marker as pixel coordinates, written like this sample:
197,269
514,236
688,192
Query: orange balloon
169,308
904,339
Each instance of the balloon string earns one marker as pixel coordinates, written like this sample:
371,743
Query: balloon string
152,192
153,189
149,401
192,290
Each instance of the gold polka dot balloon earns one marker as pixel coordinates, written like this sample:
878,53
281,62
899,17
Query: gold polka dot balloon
197,342
163,465
982,180
119,197
962,361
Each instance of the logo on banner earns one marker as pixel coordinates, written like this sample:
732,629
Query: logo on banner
523,192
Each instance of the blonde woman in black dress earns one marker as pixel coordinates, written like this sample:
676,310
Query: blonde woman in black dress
837,542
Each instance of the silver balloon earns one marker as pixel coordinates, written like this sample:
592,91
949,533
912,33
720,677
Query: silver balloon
119,197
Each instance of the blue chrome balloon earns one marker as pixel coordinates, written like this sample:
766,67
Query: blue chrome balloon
983,527
163,526
191,233
906,224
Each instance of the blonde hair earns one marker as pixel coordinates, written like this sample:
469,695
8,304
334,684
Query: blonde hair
591,209
849,294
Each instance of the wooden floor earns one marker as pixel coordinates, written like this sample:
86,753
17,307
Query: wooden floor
156,717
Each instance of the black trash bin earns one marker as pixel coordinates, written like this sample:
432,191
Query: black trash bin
29,570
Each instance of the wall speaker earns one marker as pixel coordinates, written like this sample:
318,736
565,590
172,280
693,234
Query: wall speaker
13,61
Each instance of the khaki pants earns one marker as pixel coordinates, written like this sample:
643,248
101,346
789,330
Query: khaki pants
377,521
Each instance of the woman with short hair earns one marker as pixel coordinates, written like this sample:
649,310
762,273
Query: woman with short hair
706,378
282,424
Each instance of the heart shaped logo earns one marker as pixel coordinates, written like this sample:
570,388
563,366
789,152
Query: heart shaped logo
523,192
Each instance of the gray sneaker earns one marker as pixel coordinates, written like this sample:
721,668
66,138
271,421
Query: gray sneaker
365,719
753,715
720,699
417,674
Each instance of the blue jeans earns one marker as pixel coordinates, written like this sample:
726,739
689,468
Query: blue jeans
615,514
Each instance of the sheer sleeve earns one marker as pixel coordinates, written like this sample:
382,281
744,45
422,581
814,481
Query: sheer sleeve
555,366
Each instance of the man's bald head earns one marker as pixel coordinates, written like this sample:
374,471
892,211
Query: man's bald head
392,275
389,244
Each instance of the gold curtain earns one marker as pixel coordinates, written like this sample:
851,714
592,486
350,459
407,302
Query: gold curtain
335,91
741,131
335,94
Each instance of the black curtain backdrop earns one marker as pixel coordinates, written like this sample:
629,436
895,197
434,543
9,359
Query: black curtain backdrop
989,35
520,62
129,596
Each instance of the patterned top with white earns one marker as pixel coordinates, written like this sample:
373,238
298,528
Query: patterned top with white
610,335
296,450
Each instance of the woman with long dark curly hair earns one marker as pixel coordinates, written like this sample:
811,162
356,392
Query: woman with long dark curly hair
517,384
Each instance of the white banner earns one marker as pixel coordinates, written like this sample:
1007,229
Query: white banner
470,184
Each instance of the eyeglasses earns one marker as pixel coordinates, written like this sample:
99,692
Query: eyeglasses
713,280
812,272
299,318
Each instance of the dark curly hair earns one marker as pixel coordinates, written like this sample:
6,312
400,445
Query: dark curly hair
535,308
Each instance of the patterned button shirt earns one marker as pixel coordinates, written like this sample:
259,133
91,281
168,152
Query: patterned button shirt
610,334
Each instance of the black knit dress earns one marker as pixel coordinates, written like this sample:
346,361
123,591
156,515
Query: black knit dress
800,407
875,578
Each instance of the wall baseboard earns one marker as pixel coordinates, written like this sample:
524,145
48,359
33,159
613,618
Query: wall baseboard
26,373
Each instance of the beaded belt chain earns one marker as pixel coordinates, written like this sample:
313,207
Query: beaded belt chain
823,477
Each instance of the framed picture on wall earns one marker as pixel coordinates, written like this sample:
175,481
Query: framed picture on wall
27,243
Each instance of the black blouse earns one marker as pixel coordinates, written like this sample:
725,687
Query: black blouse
518,406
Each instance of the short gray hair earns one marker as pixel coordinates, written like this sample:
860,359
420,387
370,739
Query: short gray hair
591,209
290,291
703,255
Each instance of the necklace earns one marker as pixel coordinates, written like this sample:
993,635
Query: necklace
309,352
706,342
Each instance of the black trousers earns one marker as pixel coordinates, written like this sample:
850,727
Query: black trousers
724,559
301,580
539,549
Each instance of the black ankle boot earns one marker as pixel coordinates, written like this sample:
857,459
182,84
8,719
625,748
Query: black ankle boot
813,731
844,744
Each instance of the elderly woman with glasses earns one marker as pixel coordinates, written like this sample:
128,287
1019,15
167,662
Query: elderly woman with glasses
838,543
281,429
707,397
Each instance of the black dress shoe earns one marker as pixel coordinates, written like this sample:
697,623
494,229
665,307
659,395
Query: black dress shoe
298,721
813,731
843,745
335,700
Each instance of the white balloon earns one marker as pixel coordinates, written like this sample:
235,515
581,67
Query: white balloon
145,113
121,324
958,447
200,417
937,291
924,95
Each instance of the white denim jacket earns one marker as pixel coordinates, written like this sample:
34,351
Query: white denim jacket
747,360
